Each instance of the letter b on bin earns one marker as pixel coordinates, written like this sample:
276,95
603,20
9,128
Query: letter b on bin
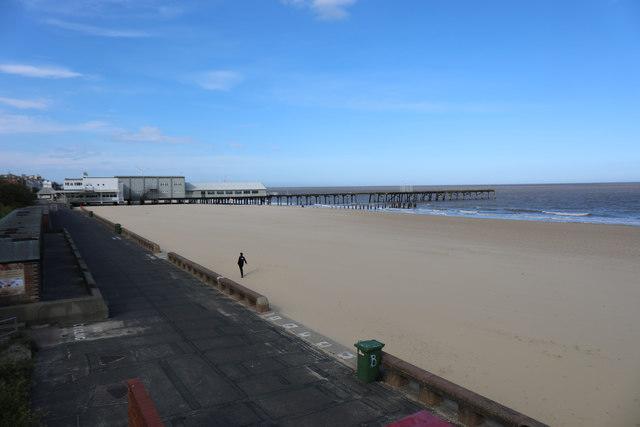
369,359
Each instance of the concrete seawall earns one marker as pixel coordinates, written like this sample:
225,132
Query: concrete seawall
252,299
464,406
468,407
248,297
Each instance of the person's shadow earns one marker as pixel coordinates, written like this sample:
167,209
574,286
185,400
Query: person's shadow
253,270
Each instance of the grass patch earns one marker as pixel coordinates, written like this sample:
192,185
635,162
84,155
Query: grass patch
4,210
15,390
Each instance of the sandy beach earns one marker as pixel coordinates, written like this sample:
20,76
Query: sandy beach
542,317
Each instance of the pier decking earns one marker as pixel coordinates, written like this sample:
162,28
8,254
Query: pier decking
363,200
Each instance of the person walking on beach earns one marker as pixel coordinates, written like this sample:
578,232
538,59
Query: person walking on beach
241,262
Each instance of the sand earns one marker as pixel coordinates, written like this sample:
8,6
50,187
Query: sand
542,317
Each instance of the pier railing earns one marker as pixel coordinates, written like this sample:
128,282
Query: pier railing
354,200
472,409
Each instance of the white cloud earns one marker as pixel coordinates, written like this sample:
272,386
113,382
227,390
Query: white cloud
223,80
97,31
150,134
24,104
329,10
17,123
118,9
46,72
24,124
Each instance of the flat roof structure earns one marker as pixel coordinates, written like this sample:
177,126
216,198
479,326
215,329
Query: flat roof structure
20,233
225,186
147,176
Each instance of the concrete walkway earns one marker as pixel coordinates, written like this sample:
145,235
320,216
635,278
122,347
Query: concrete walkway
61,277
204,359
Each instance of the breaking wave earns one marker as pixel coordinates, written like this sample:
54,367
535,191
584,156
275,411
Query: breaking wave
567,213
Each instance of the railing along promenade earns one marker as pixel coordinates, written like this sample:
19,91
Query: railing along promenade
357,199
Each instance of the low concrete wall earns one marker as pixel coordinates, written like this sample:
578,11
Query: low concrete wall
141,410
142,241
434,391
71,310
258,302
145,243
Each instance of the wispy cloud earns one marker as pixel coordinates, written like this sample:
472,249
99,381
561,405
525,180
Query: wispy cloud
328,10
412,106
150,134
97,31
222,80
164,9
44,72
25,104
18,123
235,145
26,124
379,93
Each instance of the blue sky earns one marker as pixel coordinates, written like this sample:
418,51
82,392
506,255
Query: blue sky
323,92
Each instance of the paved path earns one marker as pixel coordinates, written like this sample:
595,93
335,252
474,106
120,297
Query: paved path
61,277
205,359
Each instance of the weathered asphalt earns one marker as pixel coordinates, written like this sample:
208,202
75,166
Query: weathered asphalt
204,359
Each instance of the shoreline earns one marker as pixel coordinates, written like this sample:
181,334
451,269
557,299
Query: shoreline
519,311
560,218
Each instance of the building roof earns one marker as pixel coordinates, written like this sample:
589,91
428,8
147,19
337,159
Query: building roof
20,235
224,186
149,176
47,190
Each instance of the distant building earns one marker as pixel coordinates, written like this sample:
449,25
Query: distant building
225,189
47,192
92,190
33,182
142,188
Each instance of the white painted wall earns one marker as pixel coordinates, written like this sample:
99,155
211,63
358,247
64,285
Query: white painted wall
88,183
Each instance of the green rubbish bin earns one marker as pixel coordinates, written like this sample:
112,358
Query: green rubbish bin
90,213
118,228
369,359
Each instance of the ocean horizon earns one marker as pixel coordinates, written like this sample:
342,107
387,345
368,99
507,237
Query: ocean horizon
594,203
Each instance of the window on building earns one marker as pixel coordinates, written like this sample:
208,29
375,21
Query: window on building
247,191
220,192
254,191
238,192
228,192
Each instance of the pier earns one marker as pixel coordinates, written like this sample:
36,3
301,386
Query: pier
354,200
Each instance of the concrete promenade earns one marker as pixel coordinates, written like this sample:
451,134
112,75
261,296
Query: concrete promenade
204,359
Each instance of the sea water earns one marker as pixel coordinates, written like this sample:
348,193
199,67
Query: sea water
607,203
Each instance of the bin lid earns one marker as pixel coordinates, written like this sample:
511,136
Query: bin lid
369,345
